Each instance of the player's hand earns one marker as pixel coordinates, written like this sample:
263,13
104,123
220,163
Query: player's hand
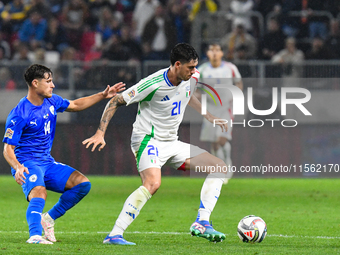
113,90
96,139
19,174
222,124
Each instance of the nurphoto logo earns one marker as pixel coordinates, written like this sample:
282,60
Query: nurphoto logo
238,104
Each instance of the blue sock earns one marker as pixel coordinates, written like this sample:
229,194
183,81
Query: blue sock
33,215
69,199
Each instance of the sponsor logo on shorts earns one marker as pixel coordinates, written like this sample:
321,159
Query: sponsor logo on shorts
9,133
132,93
33,178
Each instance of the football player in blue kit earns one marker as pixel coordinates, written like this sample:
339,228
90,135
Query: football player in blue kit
30,129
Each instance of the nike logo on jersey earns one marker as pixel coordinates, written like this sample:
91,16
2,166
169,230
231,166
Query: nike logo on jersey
166,98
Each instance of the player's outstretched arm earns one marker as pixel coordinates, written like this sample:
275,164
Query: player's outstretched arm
109,111
196,104
86,102
10,157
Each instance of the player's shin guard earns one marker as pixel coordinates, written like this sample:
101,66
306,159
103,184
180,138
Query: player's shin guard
33,215
69,199
132,206
209,194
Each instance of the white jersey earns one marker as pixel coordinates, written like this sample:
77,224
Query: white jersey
161,104
226,73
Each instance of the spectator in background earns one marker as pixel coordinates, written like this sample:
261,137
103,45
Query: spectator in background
60,78
33,30
289,59
42,7
6,81
2,56
95,8
159,34
78,73
129,6
73,17
56,6
22,53
333,41
318,50
318,25
12,16
132,46
143,12
236,38
178,14
290,25
69,54
290,54
5,47
39,56
55,36
114,50
203,5
240,10
108,24
273,40
267,6
205,28
241,53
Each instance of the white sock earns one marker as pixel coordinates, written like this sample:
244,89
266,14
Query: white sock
132,206
209,194
227,158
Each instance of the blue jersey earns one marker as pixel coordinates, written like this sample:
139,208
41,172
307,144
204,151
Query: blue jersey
31,128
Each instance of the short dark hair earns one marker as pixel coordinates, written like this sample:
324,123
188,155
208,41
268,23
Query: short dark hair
36,71
183,53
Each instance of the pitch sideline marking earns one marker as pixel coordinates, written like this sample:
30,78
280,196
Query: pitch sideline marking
174,233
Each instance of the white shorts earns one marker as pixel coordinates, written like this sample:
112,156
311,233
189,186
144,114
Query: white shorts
209,133
150,152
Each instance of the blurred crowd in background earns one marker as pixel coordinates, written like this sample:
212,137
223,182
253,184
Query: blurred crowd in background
137,30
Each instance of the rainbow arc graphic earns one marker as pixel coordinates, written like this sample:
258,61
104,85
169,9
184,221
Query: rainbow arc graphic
209,93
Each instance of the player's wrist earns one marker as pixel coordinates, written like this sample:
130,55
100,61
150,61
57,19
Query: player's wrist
100,132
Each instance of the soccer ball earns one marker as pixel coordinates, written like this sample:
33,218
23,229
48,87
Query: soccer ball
252,229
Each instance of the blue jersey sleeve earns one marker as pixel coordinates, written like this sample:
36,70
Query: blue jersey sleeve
60,104
14,127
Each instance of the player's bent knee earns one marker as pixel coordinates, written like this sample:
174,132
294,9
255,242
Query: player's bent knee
152,186
38,191
84,188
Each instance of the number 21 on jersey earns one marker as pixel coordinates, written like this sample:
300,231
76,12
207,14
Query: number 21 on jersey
176,109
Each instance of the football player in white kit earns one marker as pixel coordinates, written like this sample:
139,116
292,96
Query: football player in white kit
215,73
162,98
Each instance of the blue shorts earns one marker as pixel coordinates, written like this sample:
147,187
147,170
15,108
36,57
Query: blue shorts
52,175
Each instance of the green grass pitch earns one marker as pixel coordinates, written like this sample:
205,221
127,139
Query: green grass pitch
302,216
